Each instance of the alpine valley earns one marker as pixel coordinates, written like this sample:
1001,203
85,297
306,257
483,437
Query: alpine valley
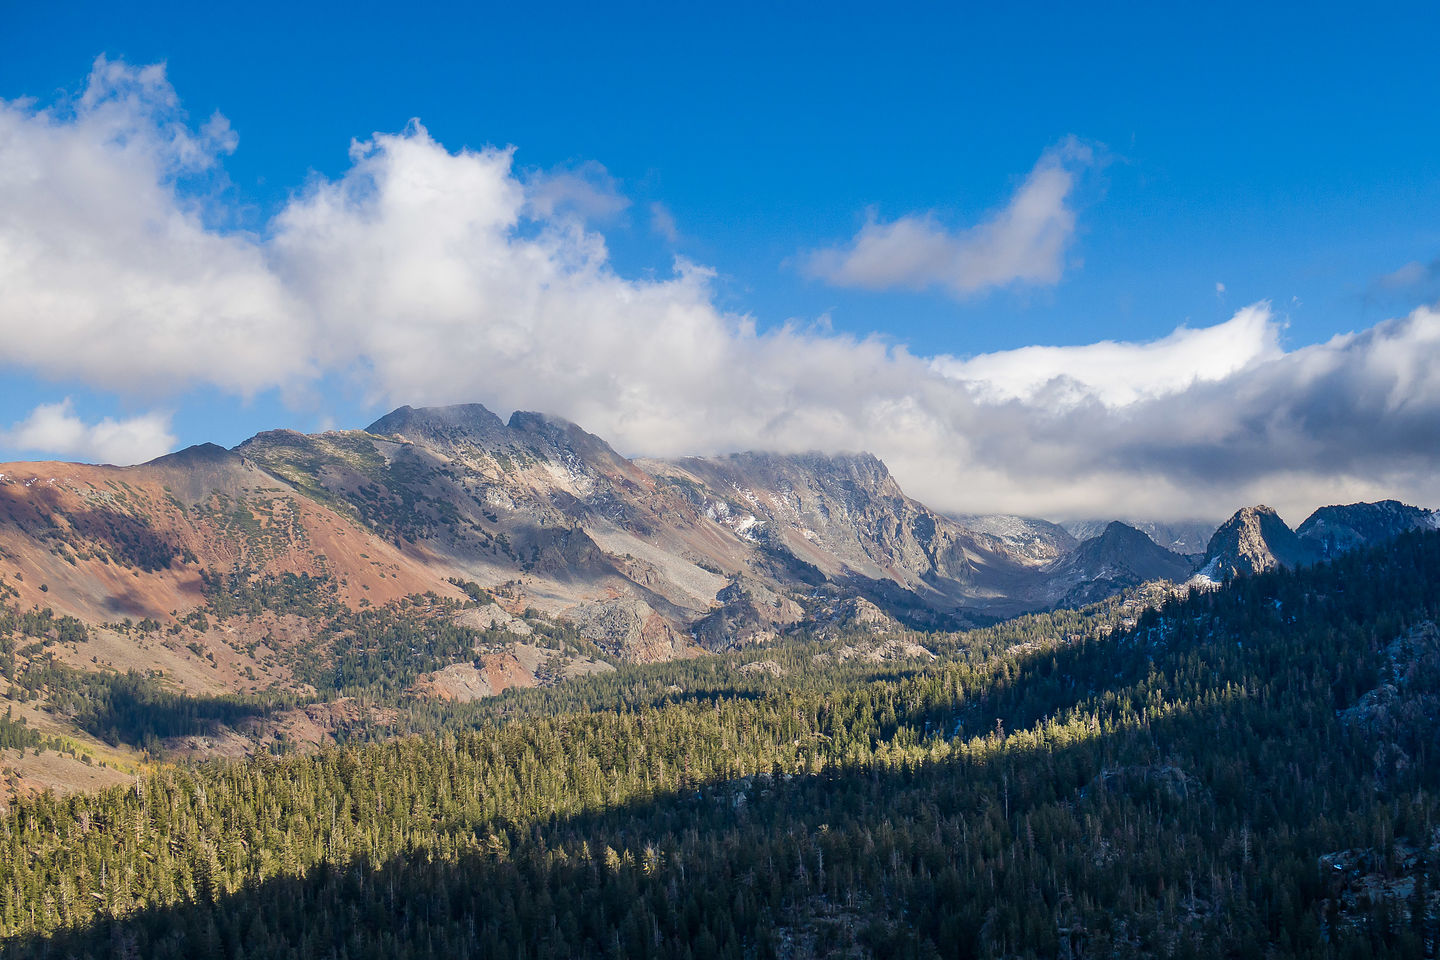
441,683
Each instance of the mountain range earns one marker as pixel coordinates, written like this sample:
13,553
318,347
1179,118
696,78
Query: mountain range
535,521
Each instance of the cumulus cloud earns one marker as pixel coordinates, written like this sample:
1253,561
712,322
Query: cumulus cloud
55,429
431,276
107,269
1023,243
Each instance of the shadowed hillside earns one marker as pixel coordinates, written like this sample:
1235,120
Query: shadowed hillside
1184,786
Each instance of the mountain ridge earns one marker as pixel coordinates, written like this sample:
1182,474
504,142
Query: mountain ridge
644,559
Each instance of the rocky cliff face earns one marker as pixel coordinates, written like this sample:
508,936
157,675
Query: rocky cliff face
843,520
1254,540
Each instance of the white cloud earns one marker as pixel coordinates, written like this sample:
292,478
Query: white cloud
54,429
1117,374
434,277
108,272
1023,243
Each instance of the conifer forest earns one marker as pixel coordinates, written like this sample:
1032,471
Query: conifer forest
1247,771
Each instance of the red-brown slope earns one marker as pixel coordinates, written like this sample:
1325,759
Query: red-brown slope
106,543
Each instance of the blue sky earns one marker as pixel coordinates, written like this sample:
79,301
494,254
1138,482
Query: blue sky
1230,156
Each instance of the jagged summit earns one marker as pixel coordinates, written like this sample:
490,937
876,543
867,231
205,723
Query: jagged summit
1254,540
464,427
571,443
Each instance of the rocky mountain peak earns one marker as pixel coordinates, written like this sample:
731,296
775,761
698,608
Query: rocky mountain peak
557,431
1254,540
455,424
1122,540
466,427
1029,539
1186,537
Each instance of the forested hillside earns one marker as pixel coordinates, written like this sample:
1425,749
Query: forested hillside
1239,772
302,591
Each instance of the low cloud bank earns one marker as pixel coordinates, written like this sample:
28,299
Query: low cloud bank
430,276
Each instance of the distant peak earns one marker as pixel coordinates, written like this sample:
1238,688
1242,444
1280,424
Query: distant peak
1118,528
195,454
1337,528
1260,515
438,423
533,420
1127,540
1352,511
